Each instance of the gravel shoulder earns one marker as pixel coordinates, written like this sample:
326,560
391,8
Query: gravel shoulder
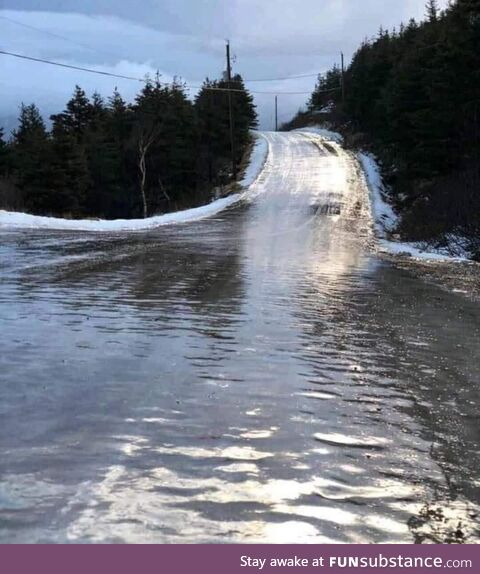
455,276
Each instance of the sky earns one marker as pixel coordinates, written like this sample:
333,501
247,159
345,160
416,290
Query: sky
183,38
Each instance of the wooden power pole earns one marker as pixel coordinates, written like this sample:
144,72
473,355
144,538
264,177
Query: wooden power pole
230,111
343,80
276,113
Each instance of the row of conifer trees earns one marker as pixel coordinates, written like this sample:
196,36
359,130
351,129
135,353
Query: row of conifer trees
112,159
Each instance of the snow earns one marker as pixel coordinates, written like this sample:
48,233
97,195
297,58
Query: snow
418,251
324,133
9,219
328,109
386,220
257,161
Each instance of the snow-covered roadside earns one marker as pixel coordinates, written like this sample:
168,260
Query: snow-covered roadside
386,220
10,219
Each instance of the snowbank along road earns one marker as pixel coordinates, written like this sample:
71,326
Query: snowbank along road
257,376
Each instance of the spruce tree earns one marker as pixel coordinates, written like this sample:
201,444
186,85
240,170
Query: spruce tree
5,156
212,110
70,166
33,162
432,10
164,138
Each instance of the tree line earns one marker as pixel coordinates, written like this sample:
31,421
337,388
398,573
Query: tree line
110,159
413,94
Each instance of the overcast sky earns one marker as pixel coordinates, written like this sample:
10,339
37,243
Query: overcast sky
186,38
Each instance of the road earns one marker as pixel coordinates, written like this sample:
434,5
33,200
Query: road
259,376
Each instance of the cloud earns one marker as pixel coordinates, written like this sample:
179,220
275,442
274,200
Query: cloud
185,38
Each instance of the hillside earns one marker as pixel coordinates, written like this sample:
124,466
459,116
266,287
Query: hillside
412,96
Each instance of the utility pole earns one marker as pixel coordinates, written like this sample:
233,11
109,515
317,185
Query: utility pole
230,111
343,80
276,113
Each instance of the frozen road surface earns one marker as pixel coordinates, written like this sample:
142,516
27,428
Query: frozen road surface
258,376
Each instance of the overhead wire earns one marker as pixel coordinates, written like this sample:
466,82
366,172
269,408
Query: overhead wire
284,79
58,36
88,47
145,80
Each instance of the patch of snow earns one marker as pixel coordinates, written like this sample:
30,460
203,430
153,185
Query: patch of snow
257,161
418,251
326,134
328,109
385,221
10,219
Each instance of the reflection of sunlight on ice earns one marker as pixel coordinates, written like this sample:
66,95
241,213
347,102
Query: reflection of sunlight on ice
386,524
335,515
382,490
348,440
161,504
293,225
141,508
246,468
257,434
132,445
232,452
292,532
317,395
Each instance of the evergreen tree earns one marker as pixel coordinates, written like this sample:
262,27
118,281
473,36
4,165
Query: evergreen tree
77,114
32,162
100,154
432,10
212,109
71,172
164,137
326,90
5,156
121,172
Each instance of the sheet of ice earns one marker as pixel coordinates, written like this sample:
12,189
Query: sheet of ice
12,219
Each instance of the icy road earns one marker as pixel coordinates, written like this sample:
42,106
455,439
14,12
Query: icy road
257,376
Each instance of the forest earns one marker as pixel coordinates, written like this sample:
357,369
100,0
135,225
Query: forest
111,159
412,96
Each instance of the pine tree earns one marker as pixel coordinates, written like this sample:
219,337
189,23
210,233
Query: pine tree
123,180
211,105
70,167
432,10
32,162
327,89
99,154
5,160
78,112
164,139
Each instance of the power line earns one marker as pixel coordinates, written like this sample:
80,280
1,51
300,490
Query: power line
70,66
282,79
88,47
59,36
136,79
